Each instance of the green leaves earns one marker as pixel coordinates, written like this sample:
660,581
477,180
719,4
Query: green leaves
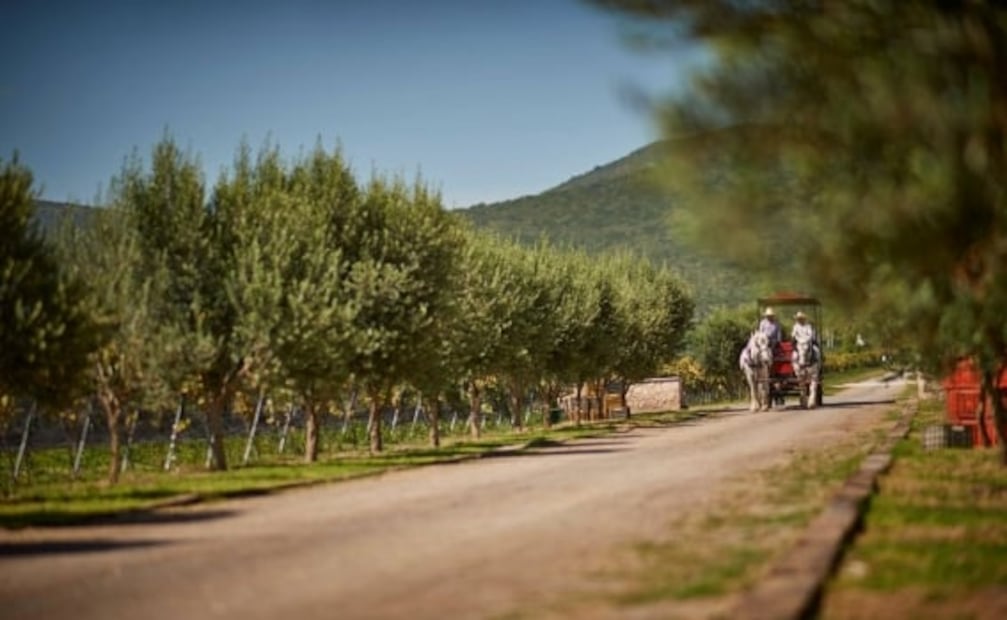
46,332
866,140
292,277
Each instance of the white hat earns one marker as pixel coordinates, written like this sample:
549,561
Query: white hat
800,315
769,312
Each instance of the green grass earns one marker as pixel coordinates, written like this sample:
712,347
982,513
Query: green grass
55,503
833,380
48,494
937,529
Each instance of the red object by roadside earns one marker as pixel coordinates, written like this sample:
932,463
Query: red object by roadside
962,388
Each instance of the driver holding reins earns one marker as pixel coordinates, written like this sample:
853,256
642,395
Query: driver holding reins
769,326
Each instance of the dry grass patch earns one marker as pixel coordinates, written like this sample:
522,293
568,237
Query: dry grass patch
713,554
934,543
981,604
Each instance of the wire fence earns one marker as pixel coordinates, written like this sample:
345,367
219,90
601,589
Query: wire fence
39,449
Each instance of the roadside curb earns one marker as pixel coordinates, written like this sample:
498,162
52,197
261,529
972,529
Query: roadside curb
793,586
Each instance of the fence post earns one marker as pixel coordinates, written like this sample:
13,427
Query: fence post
348,412
255,425
23,448
286,429
395,416
82,442
417,411
209,461
169,458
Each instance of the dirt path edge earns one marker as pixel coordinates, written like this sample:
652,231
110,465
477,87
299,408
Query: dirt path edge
792,588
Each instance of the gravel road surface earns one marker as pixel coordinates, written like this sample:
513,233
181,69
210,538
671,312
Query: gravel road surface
478,539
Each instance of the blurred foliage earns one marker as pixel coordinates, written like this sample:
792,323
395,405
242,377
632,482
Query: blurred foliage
46,331
716,343
870,136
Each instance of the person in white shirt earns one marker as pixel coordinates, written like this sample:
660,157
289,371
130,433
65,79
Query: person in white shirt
803,329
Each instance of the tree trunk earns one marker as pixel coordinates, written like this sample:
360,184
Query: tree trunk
551,402
986,391
375,424
113,414
991,394
599,400
311,428
517,405
1000,420
216,407
434,412
623,390
475,410
579,410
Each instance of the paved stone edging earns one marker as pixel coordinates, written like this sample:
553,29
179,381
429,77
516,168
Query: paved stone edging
794,584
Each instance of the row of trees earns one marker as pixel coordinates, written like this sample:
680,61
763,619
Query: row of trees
295,277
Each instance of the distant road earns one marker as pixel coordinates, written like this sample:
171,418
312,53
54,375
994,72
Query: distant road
473,540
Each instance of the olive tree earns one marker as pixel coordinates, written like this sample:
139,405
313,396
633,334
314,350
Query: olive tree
402,249
717,341
128,370
656,311
223,256
314,337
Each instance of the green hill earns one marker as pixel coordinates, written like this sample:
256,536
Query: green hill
616,205
49,215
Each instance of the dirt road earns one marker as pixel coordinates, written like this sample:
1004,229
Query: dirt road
472,540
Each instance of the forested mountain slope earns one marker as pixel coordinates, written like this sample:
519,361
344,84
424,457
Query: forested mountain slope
49,215
616,205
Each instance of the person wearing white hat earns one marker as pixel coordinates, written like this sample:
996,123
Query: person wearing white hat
769,326
803,329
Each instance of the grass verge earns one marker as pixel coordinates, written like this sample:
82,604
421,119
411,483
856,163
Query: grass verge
51,499
934,542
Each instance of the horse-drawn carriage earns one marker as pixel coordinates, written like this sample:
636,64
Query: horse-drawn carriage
798,365
778,362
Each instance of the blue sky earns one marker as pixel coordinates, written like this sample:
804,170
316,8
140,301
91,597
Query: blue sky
488,100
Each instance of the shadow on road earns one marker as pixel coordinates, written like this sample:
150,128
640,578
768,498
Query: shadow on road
855,403
56,518
568,451
555,448
58,547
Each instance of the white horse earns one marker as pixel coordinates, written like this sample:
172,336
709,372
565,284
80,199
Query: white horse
807,361
755,361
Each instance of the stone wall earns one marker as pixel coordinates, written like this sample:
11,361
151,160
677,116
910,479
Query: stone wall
654,395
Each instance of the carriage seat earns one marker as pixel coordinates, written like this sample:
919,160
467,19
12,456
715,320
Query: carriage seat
783,363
